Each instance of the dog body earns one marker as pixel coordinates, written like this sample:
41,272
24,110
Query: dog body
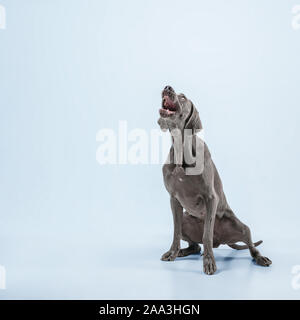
208,218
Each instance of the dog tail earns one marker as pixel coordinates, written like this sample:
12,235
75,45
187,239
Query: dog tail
242,247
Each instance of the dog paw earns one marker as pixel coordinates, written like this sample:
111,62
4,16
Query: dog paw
170,255
263,261
209,264
188,251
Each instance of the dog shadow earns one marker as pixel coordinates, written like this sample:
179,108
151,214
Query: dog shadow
224,263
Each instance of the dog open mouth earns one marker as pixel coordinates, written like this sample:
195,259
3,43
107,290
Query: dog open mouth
168,106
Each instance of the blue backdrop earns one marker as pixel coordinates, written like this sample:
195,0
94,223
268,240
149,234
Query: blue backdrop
71,228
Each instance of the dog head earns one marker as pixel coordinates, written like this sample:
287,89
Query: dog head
178,112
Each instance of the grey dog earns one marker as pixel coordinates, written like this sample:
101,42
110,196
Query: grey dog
194,185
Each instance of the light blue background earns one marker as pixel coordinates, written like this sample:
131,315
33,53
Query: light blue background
73,229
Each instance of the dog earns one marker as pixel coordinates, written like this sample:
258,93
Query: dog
200,210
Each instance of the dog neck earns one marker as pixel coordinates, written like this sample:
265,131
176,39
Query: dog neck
183,149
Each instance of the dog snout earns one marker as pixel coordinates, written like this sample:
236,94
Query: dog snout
168,88
168,91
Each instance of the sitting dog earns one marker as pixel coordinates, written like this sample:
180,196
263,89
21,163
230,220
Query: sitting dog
195,186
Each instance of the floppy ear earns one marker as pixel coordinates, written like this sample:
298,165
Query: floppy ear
194,122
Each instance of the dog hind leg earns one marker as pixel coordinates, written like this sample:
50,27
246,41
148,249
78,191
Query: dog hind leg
246,238
259,259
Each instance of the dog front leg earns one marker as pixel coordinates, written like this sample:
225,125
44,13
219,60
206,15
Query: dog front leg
177,212
209,264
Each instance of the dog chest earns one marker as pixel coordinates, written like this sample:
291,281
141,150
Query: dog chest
186,189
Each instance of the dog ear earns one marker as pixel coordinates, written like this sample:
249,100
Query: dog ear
194,122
